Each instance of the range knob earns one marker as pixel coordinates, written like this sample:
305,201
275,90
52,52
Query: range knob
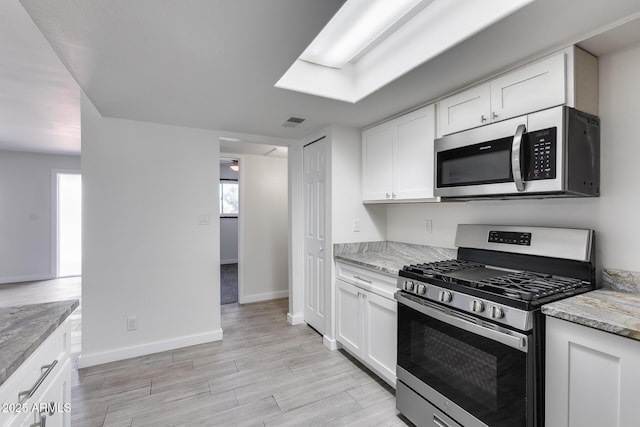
445,296
408,286
422,289
477,306
497,312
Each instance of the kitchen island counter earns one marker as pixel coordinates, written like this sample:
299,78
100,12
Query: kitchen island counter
23,328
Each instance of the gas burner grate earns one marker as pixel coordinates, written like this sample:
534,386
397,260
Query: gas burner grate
529,286
434,269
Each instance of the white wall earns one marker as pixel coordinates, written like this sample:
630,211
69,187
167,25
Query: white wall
228,226
264,234
145,187
614,215
27,246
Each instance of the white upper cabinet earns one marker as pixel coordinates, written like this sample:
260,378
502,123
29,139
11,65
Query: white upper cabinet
397,158
377,152
532,88
465,110
568,78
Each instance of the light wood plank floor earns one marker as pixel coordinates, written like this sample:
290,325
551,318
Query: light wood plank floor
264,373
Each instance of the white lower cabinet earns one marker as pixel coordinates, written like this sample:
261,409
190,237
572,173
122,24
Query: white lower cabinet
592,377
366,328
38,393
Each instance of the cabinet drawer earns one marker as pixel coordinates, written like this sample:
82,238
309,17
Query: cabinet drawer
363,278
36,374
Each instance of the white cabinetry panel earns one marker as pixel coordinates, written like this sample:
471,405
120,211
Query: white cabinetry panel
349,321
381,334
534,87
465,110
397,158
377,153
592,377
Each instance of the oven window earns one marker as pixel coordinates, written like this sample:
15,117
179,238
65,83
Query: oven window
484,163
486,378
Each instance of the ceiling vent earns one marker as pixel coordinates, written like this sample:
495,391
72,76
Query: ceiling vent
292,122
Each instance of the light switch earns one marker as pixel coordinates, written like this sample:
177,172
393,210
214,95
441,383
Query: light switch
356,225
204,219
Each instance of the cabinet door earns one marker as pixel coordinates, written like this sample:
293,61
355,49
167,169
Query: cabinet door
377,152
380,335
465,110
54,398
349,316
534,87
413,159
592,377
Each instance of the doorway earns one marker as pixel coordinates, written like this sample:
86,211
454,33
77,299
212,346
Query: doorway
69,224
229,193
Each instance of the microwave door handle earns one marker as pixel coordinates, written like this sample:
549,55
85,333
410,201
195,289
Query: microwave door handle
516,153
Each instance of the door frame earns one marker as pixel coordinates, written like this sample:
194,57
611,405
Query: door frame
55,256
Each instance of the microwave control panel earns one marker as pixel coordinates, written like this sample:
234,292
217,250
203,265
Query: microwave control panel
541,154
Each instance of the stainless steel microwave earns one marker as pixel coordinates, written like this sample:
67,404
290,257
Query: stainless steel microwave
550,153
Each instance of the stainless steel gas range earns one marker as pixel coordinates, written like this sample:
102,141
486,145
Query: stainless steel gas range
470,330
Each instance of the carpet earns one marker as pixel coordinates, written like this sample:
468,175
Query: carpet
228,283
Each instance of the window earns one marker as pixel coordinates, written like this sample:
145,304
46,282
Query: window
229,200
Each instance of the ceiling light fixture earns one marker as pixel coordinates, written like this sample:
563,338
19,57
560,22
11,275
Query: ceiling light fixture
366,45
357,25
234,166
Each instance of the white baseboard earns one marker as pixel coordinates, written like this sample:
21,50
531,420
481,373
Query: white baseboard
295,319
33,278
87,360
263,297
331,344
229,261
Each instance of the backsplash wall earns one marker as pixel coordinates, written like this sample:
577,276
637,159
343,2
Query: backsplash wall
613,215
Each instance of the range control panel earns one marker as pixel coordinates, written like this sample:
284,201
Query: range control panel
510,237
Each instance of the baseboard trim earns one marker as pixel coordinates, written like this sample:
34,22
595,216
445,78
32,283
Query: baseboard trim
331,344
88,360
263,297
19,279
295,319
228,261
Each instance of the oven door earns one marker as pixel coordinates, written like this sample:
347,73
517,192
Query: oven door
478,374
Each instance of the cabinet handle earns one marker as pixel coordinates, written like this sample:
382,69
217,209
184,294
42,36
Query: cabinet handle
494,115
28,393
483,118
388,195
393,195
361,279
41,423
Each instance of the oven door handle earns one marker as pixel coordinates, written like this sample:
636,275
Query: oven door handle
509,338
516,155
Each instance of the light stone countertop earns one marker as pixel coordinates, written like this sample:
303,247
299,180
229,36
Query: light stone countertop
23,328
389,257
615,308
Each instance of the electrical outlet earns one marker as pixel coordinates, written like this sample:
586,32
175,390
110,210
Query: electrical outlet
132,323
356,225
428,226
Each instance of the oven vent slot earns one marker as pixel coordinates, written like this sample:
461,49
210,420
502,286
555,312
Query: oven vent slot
464,316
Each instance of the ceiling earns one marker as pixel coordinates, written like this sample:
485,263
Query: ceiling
213,64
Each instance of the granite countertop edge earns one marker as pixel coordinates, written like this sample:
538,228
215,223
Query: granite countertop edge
368,265
56,320
603,309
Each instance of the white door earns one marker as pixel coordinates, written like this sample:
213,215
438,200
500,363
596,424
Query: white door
349,317
414,154
377,152
380,335
532,88
314,234
465,110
